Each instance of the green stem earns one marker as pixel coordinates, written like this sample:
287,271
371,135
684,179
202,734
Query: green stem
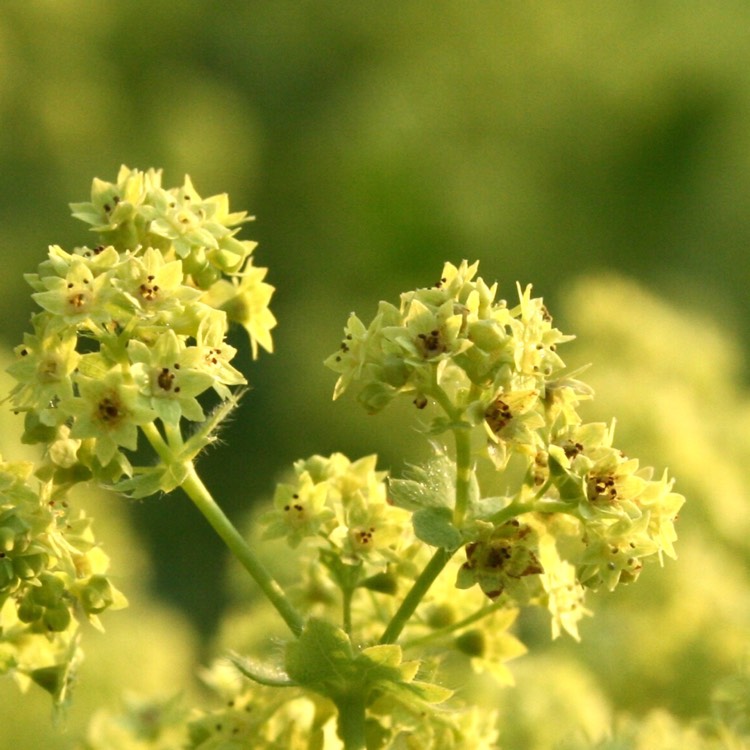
516,508
174,437
439,560
199,494
418,590
462,437
351,721
151,431
347,616
456,626
464,473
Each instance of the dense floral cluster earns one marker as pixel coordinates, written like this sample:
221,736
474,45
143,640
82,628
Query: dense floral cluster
344,503
261,718
133,331
582,514
53,577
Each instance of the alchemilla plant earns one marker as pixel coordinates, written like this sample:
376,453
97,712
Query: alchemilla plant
403,582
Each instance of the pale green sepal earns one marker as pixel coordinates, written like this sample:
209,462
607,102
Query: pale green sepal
569,486
153,480
263,674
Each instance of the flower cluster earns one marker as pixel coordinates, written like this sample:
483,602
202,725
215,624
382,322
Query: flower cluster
53,577
581,515
622,514
357,556
455,323
341,504
135,211
132,332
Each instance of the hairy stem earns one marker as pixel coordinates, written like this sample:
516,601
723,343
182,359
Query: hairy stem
464,473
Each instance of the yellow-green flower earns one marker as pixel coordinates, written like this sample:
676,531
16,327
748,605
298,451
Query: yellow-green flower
109,410
213,354
43,370
245,300
300,511
171,376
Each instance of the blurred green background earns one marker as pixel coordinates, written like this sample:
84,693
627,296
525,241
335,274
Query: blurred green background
373,141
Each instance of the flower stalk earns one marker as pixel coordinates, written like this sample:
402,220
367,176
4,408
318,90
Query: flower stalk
204,501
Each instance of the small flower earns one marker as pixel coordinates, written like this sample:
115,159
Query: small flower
199,231
245,300
662,506
511,420
536,339
79,298
153,285
58,264
501,560
213,354
352,355
116,209
109,410
43,370
614,552
171,376
369,528
300,511
564,594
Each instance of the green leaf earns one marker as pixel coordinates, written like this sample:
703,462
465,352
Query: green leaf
434,526
484,508
428,692
321,659
387,654
429,486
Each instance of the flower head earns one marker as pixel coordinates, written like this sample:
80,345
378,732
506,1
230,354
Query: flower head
452,336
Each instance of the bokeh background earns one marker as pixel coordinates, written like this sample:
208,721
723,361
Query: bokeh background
597,149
